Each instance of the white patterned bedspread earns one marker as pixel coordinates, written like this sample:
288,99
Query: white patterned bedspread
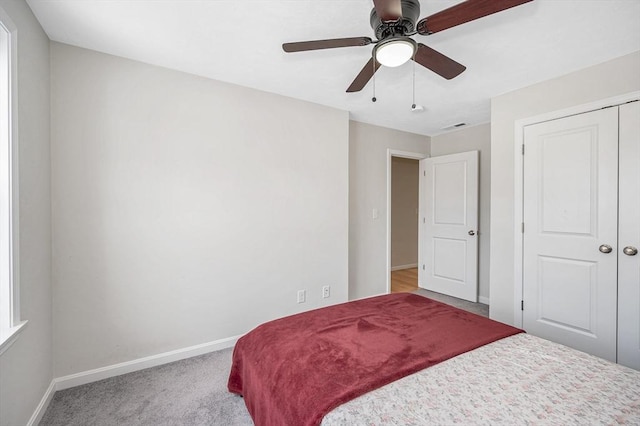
517,380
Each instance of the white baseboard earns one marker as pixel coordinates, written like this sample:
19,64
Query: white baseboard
142,363
43,405
399,267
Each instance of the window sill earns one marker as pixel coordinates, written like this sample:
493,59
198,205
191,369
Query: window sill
10,335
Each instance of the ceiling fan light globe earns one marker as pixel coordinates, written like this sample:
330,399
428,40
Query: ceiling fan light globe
395,52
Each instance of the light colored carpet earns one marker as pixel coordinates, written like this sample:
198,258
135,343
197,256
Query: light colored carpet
476,308
188,392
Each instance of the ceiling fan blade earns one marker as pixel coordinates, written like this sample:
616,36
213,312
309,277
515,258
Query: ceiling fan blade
325,44
365,75
388,10
437,62
464,12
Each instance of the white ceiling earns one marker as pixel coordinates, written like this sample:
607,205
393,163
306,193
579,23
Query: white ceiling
239,41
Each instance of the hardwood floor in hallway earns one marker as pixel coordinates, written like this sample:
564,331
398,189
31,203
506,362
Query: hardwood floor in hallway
404,280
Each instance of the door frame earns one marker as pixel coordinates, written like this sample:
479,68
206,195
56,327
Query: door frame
401,154
518,207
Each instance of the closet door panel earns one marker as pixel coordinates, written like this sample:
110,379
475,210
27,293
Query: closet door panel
570,222
629,237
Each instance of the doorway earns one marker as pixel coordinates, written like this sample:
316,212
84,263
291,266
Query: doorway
405,174
402,248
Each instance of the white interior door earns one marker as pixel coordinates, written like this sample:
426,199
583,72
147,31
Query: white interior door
570,231
449,228
629,237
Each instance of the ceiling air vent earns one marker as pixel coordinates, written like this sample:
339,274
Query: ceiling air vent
454,126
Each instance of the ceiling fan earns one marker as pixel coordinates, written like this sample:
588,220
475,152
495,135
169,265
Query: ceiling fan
394,21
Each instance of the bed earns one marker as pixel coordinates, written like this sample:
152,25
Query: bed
403,359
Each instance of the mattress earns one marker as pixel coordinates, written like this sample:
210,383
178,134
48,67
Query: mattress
520,379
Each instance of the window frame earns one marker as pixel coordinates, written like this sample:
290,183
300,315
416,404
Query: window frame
10,321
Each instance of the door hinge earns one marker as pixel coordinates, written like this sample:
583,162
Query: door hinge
522,227
424,173
424,220
423,267
522,149
522,305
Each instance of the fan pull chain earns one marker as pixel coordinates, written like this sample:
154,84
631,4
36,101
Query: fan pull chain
374,80
413,105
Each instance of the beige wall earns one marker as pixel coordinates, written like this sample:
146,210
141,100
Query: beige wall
368,147
476,138
612,78
185,210
25,367
404,212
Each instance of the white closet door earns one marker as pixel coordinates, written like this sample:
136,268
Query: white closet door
570,220
629,238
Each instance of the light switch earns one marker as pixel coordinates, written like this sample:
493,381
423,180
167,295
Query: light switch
374,213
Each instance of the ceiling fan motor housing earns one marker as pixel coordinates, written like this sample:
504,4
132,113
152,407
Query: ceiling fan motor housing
404,25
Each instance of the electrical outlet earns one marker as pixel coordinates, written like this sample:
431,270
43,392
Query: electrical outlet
326,291
302,296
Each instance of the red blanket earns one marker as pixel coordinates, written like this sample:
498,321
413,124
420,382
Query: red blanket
294,370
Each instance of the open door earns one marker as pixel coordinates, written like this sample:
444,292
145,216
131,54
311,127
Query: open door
449,225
